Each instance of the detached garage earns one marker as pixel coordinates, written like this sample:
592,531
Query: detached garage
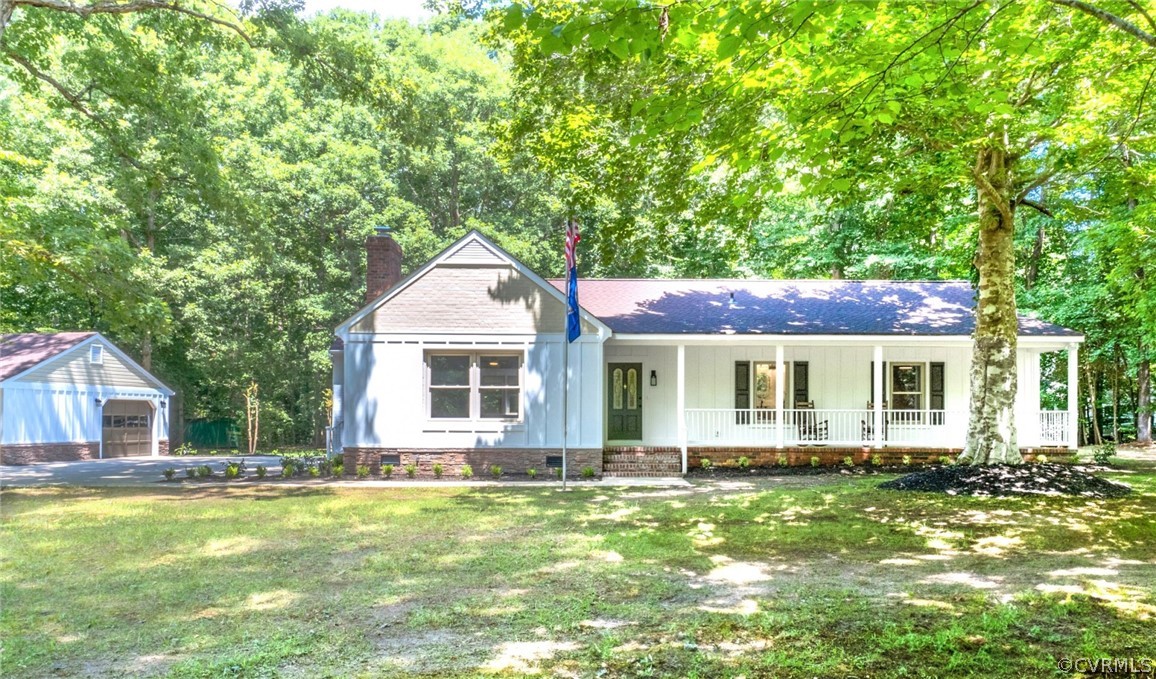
75,396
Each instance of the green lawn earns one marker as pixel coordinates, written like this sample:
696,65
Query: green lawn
793,577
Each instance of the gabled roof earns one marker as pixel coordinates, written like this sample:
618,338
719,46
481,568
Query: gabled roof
789,307
475,249
23,351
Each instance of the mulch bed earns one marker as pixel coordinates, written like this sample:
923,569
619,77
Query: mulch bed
718,472
1008,480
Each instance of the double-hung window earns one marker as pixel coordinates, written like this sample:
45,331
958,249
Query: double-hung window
907,392
475,386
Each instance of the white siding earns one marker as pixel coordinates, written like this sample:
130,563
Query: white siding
385,394
73,367
53,413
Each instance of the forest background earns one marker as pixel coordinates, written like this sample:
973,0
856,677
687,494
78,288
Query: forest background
198,186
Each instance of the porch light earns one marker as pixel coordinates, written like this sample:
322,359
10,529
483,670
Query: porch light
654,378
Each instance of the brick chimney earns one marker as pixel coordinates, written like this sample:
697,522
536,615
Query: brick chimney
382,263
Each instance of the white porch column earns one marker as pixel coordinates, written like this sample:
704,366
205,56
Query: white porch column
1073,396
877,398
680,403
780,385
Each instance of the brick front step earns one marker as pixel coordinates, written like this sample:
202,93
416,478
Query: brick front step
637,475
617,458
624,468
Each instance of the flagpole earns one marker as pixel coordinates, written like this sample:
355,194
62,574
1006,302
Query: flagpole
565,403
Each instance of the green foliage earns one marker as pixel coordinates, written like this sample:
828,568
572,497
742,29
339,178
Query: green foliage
744,462
532,473
706,463
169,473
495,471
287,470
314,471
362,471
782,460
387,470
848,461
262,470
233,469
877,460
588,473
1104,453
467,471
1041,459
945,460
410,470
204,471
190,472
438,469
814,460
558,472
906,460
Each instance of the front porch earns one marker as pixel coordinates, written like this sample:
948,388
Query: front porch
815,397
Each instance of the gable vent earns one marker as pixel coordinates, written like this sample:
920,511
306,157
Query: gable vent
96,354
475,252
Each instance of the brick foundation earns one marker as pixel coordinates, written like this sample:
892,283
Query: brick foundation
511,460
162,447
801,455
31,453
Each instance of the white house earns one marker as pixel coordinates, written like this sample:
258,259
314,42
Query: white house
461,362
75,396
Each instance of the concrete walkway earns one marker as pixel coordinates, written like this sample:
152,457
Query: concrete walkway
148,471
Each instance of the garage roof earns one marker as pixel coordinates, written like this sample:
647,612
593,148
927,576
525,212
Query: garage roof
23,351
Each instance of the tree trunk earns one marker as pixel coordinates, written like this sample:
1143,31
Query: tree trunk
991,429
1144,401
6,7
1116,400
1094,435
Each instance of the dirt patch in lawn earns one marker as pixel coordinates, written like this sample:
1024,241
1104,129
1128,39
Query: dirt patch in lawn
1009,480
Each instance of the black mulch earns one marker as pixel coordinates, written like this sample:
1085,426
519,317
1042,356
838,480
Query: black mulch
1005,480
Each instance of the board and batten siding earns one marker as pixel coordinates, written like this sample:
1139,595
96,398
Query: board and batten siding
386,400
75,368
471,299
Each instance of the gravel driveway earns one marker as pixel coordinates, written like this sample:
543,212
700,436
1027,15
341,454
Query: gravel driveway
124,471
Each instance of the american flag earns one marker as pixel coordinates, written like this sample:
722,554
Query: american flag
573,325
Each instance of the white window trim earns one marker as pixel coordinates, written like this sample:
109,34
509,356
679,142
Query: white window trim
96,354
904,416
474,387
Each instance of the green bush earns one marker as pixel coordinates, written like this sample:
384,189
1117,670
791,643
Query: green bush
438,469
1104,453
169,473
184,449
314,471
467,471
363,471
849,461
877,460
287,470
532,473
588,473
906,460
232,470
262,470
387,470
1041,459
338,468
496,471
744,462
410,470
557,472
706,463
191,472
782,461
945,459
814,461
204,471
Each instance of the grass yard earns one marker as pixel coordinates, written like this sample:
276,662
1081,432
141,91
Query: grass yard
789,577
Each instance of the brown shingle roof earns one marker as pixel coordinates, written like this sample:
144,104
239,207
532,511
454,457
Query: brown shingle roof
788,307
20,352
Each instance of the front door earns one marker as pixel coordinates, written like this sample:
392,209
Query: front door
624,394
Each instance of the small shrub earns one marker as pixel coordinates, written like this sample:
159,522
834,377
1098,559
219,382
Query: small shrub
532,473
781,461
184,449
190,472
214,452
232,470
338,468
558,472
363,471
411,470
849,461
706,463
495,471
467,471
387,470
262,470
945,459
287,471
437,470
906,460
744,462
877,460
814,460
204,471
169,473
588,473
1104,453
1041,459
314,471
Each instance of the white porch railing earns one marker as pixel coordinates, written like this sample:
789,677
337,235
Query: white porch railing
1053,427
760,427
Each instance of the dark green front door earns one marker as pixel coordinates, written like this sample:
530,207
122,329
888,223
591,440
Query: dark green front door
624,401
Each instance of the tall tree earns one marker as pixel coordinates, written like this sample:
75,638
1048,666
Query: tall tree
997,97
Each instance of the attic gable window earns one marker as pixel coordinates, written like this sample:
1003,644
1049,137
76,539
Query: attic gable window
96,354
